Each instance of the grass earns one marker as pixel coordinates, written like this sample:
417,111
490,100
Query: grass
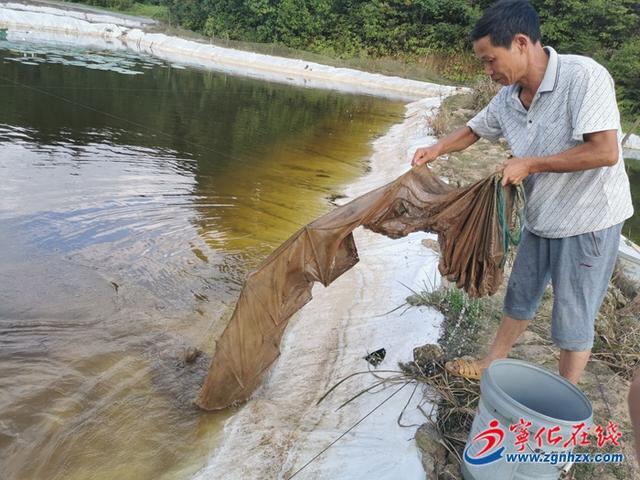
630,124
467,321
462,320
452,69
157,12
394,66
440,122
484,89
460,68
443,122
617,340
456,398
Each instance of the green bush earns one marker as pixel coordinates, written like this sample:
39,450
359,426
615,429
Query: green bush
115,4
625,69
417,29
592,27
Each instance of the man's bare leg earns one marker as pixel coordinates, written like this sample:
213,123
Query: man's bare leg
572,364
508,332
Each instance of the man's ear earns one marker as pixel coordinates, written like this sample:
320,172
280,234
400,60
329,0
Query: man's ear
521,41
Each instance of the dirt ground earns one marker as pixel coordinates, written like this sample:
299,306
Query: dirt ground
605,381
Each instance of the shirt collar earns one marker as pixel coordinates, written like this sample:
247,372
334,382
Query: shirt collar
548,80
551,74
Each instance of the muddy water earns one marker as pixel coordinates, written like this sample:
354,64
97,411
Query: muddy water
135,196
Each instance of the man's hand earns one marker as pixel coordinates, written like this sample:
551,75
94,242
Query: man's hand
425,155
454,142
514,170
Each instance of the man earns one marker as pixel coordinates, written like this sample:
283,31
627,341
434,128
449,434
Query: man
559,115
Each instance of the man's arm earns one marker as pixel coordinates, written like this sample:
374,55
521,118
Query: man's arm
454,142
600,149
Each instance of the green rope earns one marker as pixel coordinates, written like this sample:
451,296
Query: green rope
510,236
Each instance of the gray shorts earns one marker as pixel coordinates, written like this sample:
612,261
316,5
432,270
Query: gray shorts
579,269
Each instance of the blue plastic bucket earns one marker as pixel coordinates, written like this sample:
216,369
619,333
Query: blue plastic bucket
513,392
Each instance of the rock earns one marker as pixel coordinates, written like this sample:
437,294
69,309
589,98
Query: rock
620,299
627,285
192,354
334,198
427,358
632,308
530,338
431,244
417,300
434,453
534,353
426,353
607,476
607,392
450,472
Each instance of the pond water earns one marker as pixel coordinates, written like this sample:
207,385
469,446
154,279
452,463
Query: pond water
632,226
135,197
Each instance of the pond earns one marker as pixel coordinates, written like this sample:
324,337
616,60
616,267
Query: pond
135,197
632,226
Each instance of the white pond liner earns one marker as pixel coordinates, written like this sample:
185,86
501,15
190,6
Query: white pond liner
129,33
282,428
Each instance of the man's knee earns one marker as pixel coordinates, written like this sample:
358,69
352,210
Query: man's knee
569,344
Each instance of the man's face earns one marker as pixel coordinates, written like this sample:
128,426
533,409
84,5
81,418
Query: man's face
505,66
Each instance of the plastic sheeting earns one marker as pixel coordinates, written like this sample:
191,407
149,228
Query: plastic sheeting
132,32
471,242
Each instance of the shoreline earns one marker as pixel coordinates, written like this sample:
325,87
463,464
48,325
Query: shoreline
281,428
118,30
130,33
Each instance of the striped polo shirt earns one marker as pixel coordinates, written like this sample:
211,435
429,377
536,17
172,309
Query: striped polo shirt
576,97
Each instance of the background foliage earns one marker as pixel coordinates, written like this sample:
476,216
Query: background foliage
415,30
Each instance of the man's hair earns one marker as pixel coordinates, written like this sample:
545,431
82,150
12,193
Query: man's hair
503,20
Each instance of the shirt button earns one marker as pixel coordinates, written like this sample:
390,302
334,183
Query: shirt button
530,121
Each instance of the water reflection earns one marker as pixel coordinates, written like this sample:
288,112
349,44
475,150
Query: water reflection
632,225
131,208
121,62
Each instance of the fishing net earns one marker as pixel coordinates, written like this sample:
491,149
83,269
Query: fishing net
473,227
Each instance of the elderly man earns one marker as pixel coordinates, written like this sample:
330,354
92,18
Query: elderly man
559,115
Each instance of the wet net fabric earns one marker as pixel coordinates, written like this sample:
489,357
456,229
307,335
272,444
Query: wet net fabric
469,222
